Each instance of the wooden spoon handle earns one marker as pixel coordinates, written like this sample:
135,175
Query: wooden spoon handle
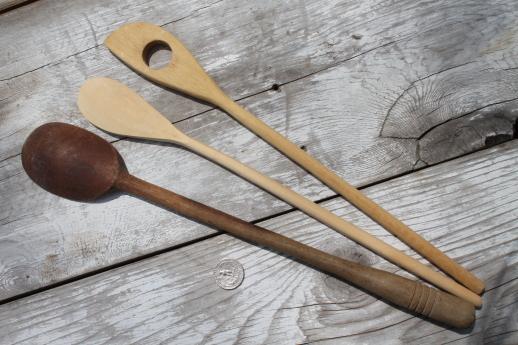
184,74
413,296
355,197
334,222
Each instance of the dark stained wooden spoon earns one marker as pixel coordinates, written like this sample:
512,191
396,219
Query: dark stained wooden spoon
76,164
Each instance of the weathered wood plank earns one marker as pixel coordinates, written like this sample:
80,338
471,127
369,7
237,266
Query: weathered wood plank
247,51
337,114
85,24
496,325
467,207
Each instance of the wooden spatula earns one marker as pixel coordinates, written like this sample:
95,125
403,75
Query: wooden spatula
130,43
115,108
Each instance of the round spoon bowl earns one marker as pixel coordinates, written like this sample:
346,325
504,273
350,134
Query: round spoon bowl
70,162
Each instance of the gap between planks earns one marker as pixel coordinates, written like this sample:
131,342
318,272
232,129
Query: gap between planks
9,5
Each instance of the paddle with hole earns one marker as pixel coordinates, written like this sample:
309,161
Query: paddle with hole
76,164
115,108
131,43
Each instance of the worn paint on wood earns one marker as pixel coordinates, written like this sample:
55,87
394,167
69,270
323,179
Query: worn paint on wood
466,207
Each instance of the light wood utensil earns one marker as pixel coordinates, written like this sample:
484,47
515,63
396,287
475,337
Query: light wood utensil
115,108
53,152
130,44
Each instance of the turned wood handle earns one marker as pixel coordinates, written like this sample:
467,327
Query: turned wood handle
413,296
183,73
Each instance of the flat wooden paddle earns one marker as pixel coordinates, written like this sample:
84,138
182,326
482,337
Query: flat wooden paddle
76,164
131,42
115,108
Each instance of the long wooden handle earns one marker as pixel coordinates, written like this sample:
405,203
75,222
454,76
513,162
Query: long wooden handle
130,42
413,296
353,195
333,221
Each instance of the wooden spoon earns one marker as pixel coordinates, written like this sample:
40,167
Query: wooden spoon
76,164
131,42
115,108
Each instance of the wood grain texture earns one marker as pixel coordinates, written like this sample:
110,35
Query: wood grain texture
337,114
40,77
467,206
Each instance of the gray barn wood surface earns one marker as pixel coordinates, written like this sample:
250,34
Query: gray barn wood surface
466,207
373,89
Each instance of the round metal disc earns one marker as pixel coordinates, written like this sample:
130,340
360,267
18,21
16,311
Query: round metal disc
229,274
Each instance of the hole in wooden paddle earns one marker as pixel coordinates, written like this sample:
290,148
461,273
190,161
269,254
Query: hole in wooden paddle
157,54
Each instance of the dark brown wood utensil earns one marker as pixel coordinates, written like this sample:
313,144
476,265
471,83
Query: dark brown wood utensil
76,164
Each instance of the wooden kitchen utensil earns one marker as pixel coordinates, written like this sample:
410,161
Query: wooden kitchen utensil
76,164
115,108
131,42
